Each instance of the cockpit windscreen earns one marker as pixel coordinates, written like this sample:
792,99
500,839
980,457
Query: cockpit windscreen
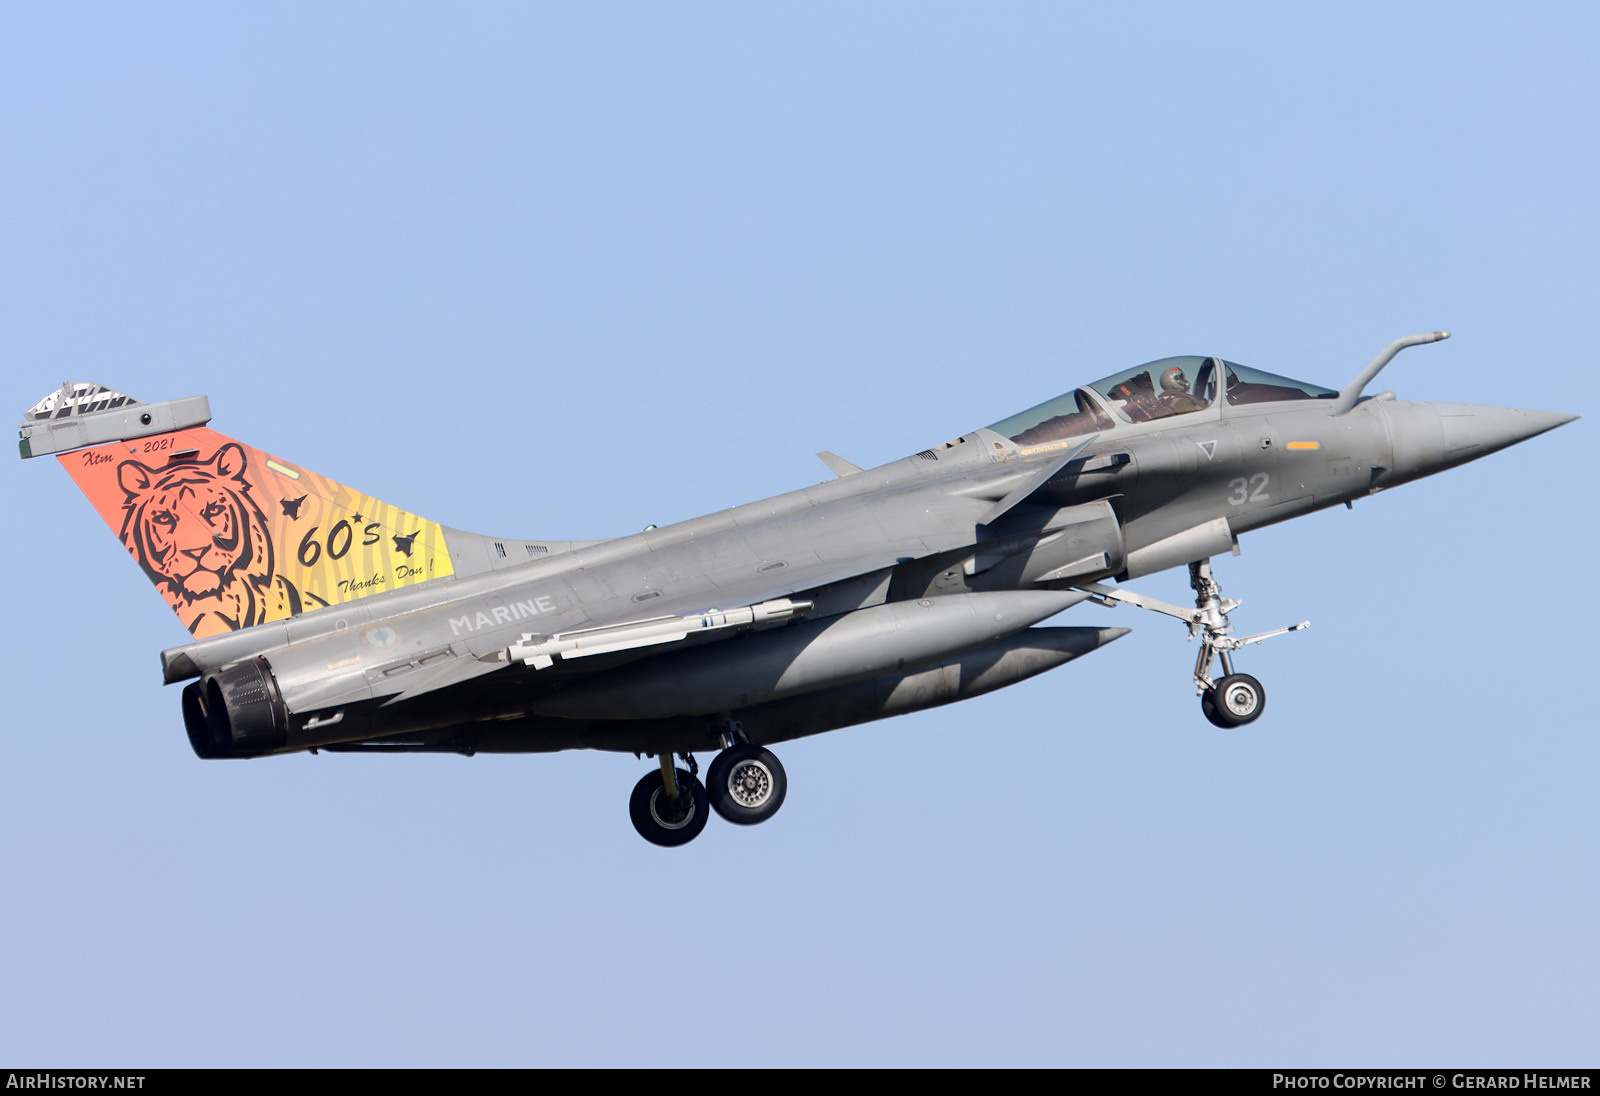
1246,385
1155,390
1063,417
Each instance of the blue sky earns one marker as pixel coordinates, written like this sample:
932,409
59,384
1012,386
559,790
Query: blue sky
565,271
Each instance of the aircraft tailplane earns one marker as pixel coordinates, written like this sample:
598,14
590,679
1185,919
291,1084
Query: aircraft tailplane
231,535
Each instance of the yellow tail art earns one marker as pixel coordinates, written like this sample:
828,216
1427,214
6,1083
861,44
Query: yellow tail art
234,537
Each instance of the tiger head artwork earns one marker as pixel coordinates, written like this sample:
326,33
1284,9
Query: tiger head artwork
203,541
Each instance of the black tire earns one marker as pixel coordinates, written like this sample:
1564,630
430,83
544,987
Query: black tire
1208,705
746,784
1238,699
653,814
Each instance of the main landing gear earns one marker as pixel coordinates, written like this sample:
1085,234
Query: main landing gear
745,784
669,807
1233,699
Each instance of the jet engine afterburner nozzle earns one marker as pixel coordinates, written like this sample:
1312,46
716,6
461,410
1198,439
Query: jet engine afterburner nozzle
238,712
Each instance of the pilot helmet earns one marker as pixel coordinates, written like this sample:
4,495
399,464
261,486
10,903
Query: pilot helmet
1174,381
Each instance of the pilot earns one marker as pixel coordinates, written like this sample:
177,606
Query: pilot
1175,395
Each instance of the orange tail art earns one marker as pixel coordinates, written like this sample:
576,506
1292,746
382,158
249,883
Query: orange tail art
232,536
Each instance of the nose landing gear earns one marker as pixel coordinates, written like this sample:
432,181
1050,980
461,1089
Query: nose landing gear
1242,700
1234,699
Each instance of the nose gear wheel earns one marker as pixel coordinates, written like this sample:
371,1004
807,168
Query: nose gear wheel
1234,700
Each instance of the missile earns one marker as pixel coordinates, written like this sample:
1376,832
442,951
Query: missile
801,658
541,651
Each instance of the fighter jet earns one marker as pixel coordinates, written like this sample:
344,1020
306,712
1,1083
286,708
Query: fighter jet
324,619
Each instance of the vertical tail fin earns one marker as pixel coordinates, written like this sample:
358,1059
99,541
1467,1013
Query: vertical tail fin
230,535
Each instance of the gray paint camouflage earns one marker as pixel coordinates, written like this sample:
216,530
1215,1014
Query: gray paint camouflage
880,592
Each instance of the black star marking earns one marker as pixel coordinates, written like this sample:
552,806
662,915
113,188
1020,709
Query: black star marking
291,507
403,544
356,518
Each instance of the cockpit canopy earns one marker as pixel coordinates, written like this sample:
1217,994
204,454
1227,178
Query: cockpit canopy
1155,390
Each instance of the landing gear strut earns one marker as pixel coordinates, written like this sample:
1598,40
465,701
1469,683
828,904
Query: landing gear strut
1233,699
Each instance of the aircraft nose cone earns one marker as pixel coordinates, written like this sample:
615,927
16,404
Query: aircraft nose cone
1430,437
1471,431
